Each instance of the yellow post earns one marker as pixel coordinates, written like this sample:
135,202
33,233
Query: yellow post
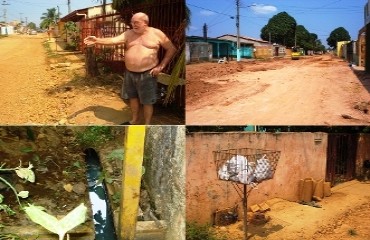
131,179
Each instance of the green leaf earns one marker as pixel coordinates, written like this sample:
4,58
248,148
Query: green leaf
116,154
26,173
74,218
27,149
7,209
51,223
23,194
46,220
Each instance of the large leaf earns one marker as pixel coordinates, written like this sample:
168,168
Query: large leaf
46,220
74,218
51,223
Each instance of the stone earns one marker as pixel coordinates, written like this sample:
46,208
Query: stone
79,188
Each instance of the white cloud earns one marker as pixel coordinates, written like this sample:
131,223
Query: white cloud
207,13
263,9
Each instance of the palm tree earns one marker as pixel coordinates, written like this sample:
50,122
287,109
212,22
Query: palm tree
49,18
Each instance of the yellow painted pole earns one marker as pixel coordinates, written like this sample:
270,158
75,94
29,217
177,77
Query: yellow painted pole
131,179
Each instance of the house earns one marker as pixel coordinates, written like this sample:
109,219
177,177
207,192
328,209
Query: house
256,48
6,29
199,48
332,157
106,27
363,41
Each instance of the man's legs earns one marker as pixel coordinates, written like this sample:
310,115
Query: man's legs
135,109
148,113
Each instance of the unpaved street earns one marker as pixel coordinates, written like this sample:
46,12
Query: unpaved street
317,90
33,92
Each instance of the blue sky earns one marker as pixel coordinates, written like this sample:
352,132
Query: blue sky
317,16
33,9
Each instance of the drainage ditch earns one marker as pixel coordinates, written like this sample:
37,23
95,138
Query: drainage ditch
101,210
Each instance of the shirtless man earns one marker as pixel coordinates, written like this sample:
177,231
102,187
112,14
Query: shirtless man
141,44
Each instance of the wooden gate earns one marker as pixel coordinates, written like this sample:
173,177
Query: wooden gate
341,157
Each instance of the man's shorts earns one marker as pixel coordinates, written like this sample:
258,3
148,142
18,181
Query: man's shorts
140,85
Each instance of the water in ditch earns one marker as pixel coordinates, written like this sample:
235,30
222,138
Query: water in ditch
102,214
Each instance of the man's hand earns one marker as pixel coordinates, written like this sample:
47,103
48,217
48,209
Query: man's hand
155,71
90,40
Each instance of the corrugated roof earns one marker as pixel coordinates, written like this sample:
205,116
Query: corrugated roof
244,37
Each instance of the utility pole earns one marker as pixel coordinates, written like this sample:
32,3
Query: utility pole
4,4
205,29
69,6
237,31
20,18
57,18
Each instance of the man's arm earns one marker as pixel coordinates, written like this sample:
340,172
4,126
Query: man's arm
117,40
170,50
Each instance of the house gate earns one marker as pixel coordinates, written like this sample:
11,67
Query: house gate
341,157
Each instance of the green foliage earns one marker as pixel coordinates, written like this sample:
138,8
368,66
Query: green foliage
338,35
23,173
49,18
74,218
72,31
4,207
116,154
281,27
94,136
195,231
31,25
116,197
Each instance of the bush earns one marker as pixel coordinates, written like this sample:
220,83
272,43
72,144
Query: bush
93,136
195,231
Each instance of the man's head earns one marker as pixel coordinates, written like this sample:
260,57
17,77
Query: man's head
139,22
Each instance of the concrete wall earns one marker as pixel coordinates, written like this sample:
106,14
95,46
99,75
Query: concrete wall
301,157
164,176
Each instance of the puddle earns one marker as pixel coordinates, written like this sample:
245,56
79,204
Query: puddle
103,217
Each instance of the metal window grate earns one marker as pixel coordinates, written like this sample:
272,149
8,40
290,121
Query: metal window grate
246,165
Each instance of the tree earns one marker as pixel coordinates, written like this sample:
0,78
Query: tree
303,38
281,28
49,18
31,25
337,35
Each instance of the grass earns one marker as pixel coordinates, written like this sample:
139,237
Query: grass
195,231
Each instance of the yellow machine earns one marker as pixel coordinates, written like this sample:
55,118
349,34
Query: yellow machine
296,53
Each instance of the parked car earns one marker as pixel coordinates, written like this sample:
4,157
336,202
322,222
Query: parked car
33,32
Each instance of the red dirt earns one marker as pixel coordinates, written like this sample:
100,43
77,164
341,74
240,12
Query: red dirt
317,90
33,92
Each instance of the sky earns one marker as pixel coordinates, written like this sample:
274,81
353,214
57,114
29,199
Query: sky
317,16
33,9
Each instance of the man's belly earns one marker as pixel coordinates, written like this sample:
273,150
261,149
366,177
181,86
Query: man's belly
140,59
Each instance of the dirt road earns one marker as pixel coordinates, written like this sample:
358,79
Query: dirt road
317,90
33,92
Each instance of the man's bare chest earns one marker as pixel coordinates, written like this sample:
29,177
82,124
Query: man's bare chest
146,41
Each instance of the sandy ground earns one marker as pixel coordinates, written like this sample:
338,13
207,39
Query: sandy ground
32,92
344,215
316,90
